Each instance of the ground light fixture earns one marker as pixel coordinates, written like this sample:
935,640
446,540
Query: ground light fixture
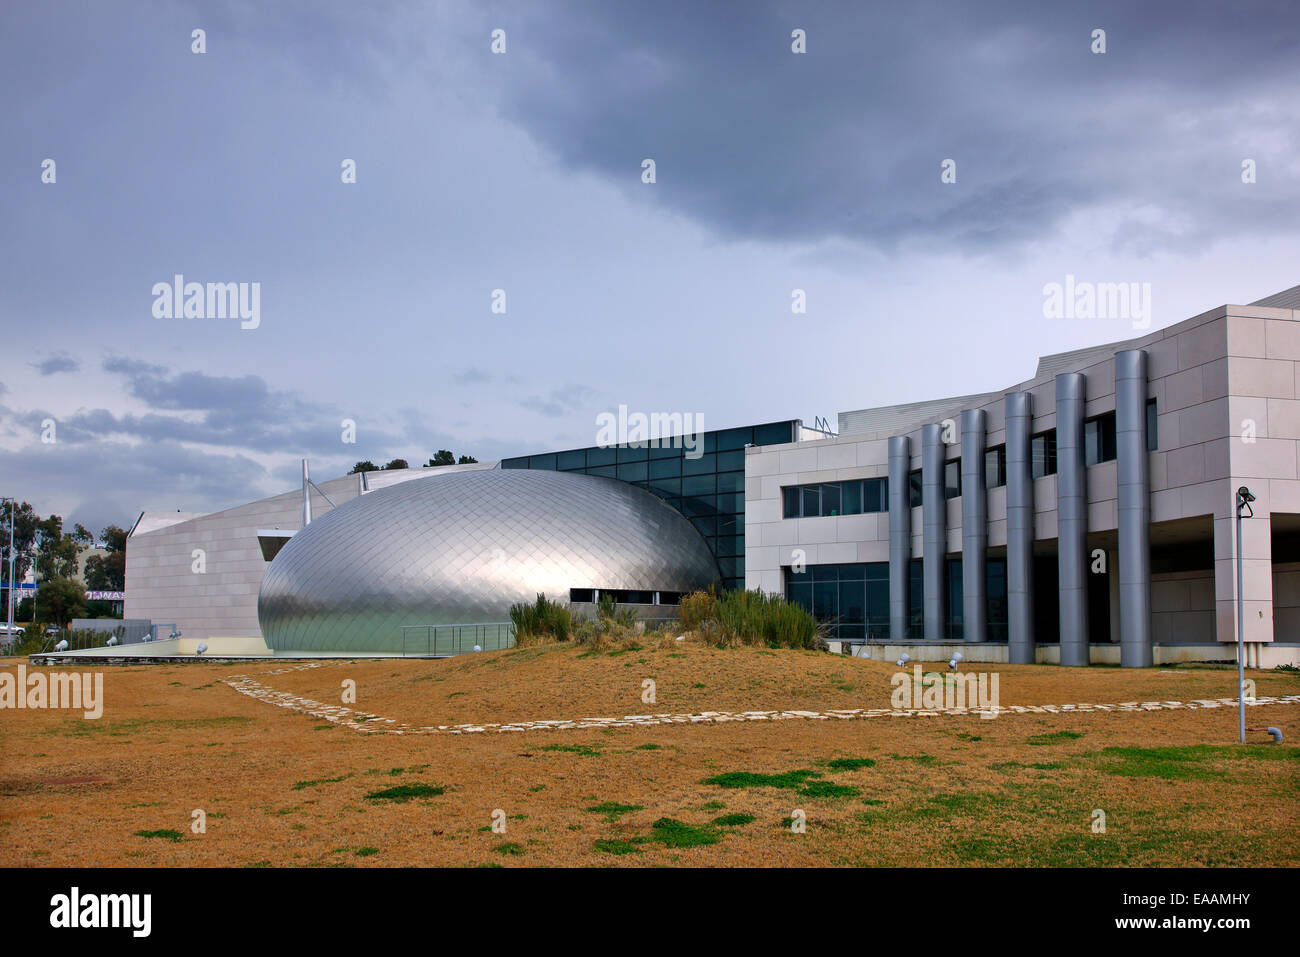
62,645
201,648
1244,498
111,642
956,659
904,659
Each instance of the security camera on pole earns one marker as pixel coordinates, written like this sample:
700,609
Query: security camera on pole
1244,498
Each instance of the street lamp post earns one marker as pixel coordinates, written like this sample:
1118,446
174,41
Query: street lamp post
9,616
1244,498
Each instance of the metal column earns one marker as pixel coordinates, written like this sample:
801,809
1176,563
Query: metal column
1134,509
900,536
934,523
1020,529
974,526
1072,518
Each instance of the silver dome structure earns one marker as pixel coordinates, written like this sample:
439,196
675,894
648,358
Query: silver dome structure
461,548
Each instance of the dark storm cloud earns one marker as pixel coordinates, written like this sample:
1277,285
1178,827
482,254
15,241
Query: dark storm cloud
128,479
132,367
58,362
238,412
846,141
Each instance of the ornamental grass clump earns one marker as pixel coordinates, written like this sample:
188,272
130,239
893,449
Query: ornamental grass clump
544,620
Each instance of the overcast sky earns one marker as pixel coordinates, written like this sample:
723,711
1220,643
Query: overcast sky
522,171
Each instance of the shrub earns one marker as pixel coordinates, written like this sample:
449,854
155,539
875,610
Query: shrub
542,619
754,618
697,608
606,606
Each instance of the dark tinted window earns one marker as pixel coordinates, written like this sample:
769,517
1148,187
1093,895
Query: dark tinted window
875,495
834,498
1099,439
850,498
705,463
952,479
731,461
995,466
1042,454
665,468
599,456
1153,432
774,434
632,472
914,489
790,497
731,482
699,485
735,439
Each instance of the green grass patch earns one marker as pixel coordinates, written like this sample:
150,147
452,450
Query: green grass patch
615,847
1008,766
790,780
927,759
586,750
166,834
1054,737
405,792
733,820
1189,763
300,785
510,848
673,833
828,789
367,851
851,764
613,810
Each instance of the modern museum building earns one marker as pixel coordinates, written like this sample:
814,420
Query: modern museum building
1087,514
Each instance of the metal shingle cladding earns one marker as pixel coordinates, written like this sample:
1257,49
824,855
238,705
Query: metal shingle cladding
461,548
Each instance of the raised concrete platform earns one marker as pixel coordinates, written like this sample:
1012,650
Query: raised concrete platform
1259,655
171,651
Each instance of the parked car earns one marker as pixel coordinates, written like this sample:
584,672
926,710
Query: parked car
52,631
18,631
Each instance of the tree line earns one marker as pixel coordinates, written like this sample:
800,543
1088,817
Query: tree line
54,553
444,457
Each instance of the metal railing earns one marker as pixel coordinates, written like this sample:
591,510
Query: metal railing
429,640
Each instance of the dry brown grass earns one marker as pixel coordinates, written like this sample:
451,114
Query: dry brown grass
287,789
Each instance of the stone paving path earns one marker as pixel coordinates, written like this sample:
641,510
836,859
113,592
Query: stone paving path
367,723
